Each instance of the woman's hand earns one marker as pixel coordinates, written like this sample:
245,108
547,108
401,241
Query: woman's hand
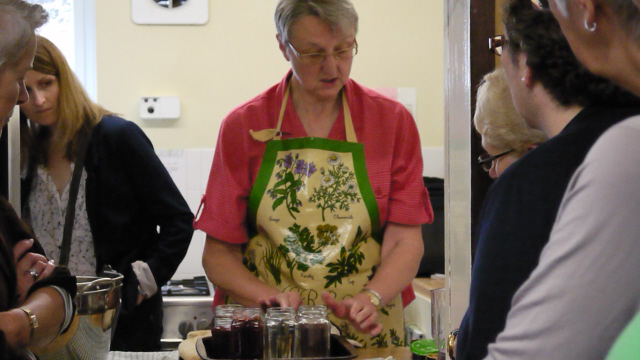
358,310
30,267
286,299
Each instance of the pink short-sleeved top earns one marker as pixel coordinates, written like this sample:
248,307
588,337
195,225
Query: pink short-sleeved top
392,153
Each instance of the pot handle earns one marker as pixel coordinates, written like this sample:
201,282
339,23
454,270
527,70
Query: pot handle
97,282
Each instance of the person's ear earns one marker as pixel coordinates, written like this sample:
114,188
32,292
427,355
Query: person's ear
588,10
528,77
283,48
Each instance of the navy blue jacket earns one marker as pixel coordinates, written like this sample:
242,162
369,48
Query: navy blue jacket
135,212
516,221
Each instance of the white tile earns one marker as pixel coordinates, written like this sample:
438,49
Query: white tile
175,163
194,169
433,160
193,198
191,265
207,160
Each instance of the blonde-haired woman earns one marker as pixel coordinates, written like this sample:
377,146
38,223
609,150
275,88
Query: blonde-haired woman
505,135
126,211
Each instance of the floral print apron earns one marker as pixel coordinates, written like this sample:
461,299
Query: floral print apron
316,224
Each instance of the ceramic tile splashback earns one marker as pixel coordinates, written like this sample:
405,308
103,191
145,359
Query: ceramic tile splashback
189,169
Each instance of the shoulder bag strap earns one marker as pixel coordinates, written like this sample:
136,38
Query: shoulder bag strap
71,205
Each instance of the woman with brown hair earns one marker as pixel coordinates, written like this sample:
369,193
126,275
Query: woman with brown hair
81,159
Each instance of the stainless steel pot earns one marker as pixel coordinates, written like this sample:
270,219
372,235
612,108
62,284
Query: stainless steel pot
89,335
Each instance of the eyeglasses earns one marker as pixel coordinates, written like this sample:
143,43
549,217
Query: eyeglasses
486,160
319,58
497,44
540,4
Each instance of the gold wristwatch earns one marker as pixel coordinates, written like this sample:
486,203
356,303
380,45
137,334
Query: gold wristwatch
374,297
33,321
451,343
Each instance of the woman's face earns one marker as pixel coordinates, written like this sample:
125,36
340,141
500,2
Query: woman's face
44,92
12,87
323,80
500,164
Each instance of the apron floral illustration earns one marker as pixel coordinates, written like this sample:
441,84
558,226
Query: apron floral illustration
316,224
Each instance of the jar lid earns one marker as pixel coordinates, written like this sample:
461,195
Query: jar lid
423,347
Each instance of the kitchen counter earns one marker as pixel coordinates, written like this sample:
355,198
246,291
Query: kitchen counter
423,286
163,355
397,353
403,353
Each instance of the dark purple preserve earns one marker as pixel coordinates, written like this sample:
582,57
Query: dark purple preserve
247,333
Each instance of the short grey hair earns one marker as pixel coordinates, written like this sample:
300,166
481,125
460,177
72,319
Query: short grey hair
497,120
338,14
626,11
18,22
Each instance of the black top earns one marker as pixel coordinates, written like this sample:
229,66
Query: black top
516,221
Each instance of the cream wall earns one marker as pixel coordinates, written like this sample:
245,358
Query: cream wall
217,66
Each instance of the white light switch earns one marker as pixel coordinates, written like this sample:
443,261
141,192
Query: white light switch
160,108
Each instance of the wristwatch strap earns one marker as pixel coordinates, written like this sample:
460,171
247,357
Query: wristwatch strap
33,321
451,343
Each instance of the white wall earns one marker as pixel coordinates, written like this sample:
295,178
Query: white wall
217,66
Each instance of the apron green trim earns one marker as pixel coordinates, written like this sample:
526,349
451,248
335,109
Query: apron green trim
357,151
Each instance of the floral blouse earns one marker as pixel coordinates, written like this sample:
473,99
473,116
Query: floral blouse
47,215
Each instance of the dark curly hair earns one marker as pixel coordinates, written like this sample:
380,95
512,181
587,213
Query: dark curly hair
552,63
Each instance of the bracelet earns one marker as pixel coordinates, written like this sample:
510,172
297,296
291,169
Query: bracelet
374,297
451,343
33,321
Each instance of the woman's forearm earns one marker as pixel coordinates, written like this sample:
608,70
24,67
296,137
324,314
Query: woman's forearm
48,307
222,263
402,250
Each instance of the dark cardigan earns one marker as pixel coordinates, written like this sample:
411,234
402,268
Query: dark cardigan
135,211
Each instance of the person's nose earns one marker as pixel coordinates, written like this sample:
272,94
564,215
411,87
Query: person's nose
23,94
493,172
37,97
330,64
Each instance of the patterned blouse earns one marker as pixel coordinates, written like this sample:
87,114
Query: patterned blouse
47,215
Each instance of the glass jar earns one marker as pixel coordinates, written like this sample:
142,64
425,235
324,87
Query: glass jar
305,308
219,344
247,333
280,333
313,334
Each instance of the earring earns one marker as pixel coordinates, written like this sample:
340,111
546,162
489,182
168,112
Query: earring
591,28
523,79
